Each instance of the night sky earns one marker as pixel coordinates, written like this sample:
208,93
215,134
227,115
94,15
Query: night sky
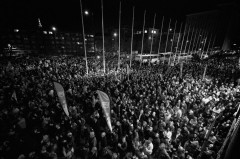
66,15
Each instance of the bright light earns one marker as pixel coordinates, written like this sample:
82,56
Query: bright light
78,43
170,29
86,12
98,57
16,30
44,32
145,31
153,31
54,28
234,44
50,32
114,34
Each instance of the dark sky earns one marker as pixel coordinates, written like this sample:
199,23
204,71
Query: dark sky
66,15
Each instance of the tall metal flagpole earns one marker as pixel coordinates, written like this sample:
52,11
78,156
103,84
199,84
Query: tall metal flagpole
214,41
201,41
160,37
182,42
167,40
143,34
152,37
132,39
119,37
202,35
204,44
198,39
191,38
187,38
209,42
195,40
175,25
104,66
175,55
84,44
167,36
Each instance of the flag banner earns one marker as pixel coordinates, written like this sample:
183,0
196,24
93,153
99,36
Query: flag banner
14,96
181,69
204,73
61,97
105,103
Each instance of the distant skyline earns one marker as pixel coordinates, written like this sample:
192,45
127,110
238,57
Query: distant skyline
66,15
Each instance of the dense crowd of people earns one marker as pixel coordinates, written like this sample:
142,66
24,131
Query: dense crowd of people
155,114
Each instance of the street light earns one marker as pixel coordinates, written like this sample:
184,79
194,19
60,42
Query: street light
115,34
54,28
86,12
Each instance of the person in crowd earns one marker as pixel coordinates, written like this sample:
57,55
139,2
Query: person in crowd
154,113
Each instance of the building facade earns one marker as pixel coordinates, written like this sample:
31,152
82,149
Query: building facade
218,27
46,42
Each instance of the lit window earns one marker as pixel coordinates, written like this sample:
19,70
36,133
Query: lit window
16,30
149,37
44,32
91,36
145,31
234,44
154,32
50,32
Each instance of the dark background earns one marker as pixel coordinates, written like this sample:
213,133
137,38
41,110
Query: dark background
66,15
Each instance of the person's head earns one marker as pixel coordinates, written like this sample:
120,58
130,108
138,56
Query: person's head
92,134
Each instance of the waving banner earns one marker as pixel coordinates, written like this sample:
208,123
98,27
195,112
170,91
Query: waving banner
105,103
61,97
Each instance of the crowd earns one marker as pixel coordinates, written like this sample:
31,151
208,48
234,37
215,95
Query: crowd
154,113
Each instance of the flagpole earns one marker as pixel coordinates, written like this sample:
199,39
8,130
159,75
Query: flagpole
191,38
119,37
195,40
160,37
201,41
84,43
209,43
143,34
182,42
204,44
103,37
202,35
167,40
187,38
214,41
178,42
132,39
152,37
172,41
